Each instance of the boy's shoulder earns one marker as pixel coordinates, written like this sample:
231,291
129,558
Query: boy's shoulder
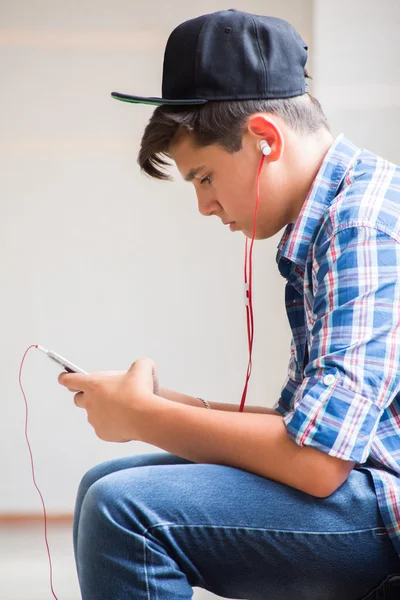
369,197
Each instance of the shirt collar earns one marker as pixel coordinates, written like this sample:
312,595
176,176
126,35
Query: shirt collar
296,239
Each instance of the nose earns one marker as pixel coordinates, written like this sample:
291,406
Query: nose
207,205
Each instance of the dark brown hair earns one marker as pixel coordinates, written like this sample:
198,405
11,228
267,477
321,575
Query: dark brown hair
221,123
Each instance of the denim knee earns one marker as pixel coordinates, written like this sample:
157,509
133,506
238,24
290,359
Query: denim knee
105,506
90,477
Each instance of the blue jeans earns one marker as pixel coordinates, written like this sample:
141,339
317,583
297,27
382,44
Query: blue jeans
153,526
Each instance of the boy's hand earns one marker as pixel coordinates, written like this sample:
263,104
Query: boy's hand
113,399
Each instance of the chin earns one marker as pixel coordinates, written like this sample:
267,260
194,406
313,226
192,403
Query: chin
263,232
260,235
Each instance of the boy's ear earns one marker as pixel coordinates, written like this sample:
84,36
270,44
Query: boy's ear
262,128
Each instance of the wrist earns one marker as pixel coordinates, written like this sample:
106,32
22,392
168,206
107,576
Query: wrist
181,398
144,415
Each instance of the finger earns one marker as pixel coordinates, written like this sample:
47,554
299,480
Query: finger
73,381
79,400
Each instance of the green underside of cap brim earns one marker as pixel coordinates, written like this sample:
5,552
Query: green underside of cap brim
155,101
132,101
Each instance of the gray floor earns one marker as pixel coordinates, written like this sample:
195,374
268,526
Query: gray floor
24,566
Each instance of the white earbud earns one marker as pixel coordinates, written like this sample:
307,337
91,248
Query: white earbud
265,148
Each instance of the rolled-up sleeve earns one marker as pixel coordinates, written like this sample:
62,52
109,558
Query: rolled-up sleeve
353,374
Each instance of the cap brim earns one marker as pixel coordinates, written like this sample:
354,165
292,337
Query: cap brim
155,101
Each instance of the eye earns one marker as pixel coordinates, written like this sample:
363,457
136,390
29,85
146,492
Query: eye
207,179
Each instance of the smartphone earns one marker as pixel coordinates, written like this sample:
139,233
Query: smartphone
63,362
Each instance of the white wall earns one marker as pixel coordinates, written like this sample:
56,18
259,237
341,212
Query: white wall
356,70
100,263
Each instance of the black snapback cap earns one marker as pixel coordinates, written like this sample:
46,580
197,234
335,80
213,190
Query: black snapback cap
230,55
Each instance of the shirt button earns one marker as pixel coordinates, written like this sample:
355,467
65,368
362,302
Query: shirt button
329,379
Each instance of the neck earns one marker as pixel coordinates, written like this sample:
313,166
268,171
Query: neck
308,153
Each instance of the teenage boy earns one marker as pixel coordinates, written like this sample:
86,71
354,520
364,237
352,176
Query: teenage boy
296,502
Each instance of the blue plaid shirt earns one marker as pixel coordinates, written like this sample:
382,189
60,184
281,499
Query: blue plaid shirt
341,260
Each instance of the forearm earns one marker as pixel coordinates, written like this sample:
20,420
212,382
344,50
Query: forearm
257,443
192,401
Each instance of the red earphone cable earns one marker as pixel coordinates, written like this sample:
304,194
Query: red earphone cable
33,473
249,289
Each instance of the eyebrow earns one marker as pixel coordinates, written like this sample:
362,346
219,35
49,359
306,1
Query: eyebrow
193,173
